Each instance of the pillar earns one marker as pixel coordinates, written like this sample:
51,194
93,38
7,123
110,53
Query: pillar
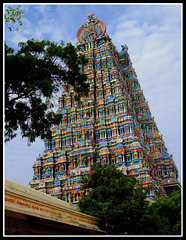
66,197
65,164
76,137
114,110
86,136
108,159
139,154
39,173
59,167
114,130
124,129
75,165
72,164
130,129
123,157
117,130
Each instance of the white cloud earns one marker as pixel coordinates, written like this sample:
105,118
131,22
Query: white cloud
18,37
154,46
152,34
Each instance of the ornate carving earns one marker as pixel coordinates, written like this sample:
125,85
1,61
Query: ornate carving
91,30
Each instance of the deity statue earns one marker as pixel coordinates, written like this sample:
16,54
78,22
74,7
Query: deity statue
92,141
111,110
124,169
92,160
171,173
152,173
104,159
81,161
135,154
36,171
72,165
113,159
89,159
62,167
141,155
75,162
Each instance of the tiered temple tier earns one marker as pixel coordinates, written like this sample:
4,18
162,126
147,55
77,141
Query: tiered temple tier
113,125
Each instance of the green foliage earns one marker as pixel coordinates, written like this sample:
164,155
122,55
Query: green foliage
13,15
166,211
118,200
32,76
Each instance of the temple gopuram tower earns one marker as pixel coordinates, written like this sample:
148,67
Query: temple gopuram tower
113,125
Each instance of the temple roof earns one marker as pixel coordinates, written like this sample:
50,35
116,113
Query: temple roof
93,28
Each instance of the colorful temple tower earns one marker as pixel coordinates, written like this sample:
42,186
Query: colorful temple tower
113,125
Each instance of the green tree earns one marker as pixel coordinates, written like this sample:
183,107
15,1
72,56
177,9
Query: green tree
119,201
115,198
165,213
32,76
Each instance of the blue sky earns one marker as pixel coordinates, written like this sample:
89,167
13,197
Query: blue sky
153,35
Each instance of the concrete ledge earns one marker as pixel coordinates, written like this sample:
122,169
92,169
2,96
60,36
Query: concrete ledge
27,201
